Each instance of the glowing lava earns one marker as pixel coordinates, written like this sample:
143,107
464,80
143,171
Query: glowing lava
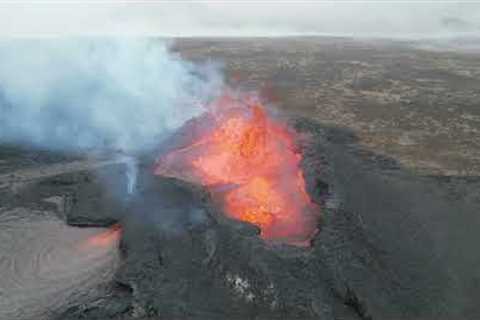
104,239
249,161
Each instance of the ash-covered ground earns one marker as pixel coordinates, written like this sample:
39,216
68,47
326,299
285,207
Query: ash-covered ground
391,155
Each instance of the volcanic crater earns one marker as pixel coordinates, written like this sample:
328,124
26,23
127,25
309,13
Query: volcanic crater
181,256
384,247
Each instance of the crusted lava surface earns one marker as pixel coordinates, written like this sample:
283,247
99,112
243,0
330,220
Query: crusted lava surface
377,254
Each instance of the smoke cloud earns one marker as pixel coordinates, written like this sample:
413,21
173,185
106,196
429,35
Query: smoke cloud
70,94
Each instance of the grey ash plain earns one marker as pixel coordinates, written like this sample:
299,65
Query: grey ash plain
389,133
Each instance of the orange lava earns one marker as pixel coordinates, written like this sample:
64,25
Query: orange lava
105,239
252,158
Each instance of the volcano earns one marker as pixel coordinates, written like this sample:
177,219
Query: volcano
250,164
222,220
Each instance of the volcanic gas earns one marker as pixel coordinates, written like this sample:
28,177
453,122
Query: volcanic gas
247,159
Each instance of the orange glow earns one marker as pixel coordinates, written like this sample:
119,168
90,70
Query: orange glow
255,157
105,239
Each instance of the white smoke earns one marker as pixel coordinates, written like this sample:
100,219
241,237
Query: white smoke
71,94
131,172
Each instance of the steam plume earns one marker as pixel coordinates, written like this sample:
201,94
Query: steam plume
83,93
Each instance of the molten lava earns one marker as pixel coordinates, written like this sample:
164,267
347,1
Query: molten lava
248,160
104,239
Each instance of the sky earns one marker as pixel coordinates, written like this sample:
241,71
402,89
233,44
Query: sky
21,18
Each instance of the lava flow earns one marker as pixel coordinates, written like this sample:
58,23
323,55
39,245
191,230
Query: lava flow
104,239
248,160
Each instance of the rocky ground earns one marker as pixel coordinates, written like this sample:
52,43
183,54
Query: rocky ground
391,155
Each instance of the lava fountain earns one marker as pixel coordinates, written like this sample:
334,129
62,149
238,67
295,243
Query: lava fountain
247,159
